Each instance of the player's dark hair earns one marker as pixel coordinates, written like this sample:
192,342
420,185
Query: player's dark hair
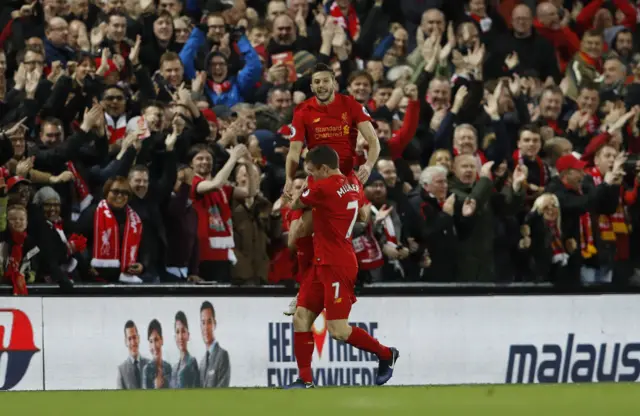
182,318
154,325
300,175
207,305
323,155
129,324
320,67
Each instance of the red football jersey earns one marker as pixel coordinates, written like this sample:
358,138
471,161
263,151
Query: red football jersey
336,202
333,125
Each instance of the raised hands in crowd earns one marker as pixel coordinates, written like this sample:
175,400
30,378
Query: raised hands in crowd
498,133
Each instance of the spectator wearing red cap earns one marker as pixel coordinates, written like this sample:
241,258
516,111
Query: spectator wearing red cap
581,201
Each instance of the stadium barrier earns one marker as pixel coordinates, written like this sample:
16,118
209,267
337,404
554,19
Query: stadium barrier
57,343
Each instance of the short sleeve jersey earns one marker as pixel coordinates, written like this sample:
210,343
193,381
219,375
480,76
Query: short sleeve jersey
333,125
336,202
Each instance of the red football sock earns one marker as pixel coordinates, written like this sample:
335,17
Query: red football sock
303,346
361,339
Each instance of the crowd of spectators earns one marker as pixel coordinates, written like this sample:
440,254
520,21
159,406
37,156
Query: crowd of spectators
144,141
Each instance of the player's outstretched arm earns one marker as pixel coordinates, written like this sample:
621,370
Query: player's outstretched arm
364,213
297,204
369,133
293,161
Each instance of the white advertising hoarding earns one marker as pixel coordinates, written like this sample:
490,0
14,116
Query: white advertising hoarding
455,340
21,355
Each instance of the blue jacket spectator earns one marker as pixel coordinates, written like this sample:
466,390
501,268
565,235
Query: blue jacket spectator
222,89
53,53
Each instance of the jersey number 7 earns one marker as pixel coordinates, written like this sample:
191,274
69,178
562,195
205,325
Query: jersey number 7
353,205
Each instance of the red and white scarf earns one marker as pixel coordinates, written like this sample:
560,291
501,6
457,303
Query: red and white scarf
368,250
116,128
107,251
560,255
593,125
484,22
72,263
219,87
82,190
350,23
12,271
518,159
609,225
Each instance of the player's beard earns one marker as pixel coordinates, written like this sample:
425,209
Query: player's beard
325,97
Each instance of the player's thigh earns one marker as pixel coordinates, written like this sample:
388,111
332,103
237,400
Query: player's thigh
311,292
339,295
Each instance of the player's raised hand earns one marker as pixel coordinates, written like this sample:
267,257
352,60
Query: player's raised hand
287,196
364,171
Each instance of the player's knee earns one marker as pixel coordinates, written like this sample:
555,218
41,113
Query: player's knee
339,329
302,320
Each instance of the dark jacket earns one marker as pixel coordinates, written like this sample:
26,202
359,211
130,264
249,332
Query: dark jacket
476,249
148,208
596,200
86,225
181,222
435,231
537,260
534,52
54,53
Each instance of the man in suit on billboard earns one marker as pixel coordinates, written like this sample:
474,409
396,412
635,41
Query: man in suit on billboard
215,369
130,371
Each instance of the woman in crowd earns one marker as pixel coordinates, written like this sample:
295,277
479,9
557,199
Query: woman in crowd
114,231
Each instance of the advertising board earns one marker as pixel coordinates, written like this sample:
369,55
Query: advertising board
162,342
21,357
